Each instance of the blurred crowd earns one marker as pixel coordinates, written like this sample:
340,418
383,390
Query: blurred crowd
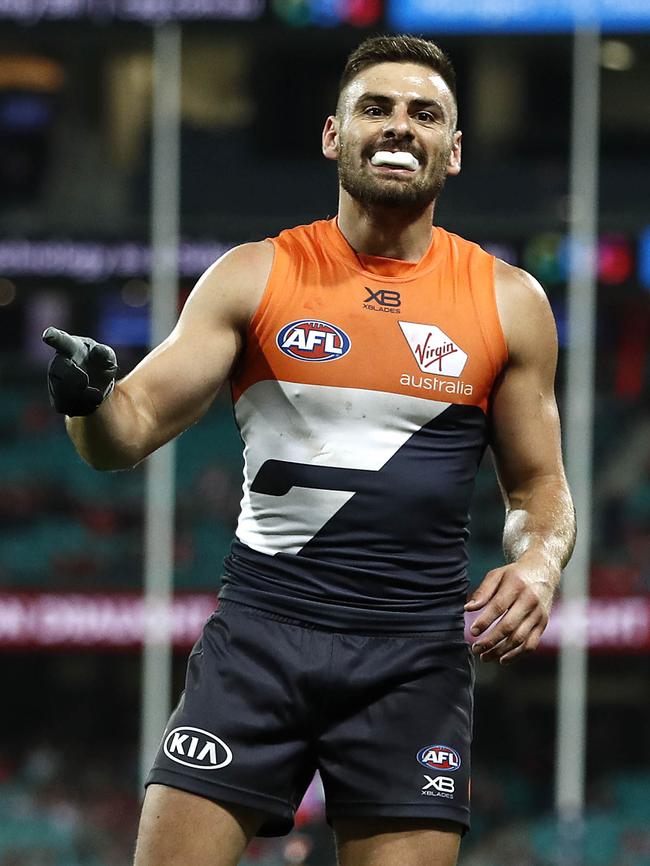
65,527
61,806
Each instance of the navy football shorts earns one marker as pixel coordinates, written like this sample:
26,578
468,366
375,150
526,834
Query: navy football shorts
268,700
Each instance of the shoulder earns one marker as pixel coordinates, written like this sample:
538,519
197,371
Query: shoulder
524,311
304,239
244,264
232,287
462,246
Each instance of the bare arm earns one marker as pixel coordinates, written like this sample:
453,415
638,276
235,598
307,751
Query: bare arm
539,531
175,383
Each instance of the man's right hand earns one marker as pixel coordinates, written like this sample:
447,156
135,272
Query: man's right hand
81,374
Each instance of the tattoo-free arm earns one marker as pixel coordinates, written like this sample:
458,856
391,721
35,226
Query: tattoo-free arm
539,531
173,385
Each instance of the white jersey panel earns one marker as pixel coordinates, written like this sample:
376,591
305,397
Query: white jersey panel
315,425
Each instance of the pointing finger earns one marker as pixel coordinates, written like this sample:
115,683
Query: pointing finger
64,343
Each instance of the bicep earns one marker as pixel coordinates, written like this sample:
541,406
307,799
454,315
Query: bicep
177,381
524,418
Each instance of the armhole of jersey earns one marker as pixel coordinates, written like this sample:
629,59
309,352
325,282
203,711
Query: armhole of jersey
490,321
262,307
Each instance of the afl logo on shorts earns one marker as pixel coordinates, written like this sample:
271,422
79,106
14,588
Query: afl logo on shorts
313,340
439,758
194,747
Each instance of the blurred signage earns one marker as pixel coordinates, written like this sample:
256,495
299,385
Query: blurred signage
101,621
517,16
545,255
328,13
117,620
88,261
612,625
146,11
297,13
615,260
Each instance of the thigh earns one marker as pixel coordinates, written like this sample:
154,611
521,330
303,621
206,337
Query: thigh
387,842
397,740
238,735
178,828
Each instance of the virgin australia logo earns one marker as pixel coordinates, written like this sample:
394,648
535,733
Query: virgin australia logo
433,350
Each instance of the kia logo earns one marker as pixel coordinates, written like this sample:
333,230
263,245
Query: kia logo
194,747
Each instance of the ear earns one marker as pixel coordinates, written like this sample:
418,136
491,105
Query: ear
453,166
331,138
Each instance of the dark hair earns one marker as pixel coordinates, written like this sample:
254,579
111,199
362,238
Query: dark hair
399,49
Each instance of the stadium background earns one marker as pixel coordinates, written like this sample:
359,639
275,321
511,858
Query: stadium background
258,80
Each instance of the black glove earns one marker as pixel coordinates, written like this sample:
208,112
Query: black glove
81,374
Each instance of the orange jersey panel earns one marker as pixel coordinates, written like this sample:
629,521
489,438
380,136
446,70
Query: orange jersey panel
426,329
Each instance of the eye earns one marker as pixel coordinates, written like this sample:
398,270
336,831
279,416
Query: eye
425,116
373,111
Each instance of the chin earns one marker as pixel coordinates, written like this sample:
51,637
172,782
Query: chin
389,192
396,197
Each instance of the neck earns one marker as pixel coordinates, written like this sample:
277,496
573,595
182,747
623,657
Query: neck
394,233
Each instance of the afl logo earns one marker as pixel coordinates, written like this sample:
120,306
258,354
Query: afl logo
194,747
313,340
439,758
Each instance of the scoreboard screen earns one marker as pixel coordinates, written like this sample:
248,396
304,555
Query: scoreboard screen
516,16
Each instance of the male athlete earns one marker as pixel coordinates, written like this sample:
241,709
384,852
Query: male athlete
372,358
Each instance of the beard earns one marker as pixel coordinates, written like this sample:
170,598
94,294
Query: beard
369,189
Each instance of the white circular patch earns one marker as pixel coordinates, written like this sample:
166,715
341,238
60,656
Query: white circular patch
194,747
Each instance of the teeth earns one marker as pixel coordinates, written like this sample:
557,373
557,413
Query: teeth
400,159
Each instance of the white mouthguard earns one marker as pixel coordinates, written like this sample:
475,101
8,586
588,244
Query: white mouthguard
399,159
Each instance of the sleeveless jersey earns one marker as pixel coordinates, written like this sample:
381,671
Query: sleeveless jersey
362,399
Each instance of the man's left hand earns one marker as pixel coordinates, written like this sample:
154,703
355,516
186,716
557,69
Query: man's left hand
519,597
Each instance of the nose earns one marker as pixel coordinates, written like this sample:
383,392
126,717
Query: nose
398,124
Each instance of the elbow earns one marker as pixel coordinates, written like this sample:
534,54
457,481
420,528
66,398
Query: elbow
103,464
100,451
105,459
108,462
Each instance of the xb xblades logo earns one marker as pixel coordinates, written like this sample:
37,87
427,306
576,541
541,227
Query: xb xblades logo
382,301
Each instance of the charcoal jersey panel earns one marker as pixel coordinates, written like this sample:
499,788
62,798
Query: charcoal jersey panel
361,399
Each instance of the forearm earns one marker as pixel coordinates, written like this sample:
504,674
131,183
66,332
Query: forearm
540,525
116,435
